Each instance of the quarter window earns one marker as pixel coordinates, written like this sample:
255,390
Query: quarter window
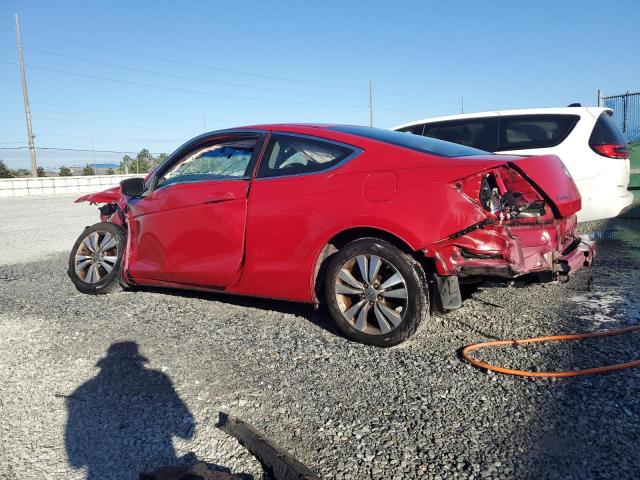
534,131
217,161
293,155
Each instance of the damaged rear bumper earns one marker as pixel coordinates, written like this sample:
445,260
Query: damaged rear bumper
510,251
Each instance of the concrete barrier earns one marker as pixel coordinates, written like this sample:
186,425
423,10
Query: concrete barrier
22,187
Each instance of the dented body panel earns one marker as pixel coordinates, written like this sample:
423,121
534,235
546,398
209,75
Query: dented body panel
475,216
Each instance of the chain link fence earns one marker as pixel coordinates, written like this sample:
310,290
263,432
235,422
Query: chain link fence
626,113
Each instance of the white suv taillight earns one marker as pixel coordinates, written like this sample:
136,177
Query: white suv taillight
611,150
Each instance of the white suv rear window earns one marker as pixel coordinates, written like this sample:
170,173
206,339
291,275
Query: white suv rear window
534,131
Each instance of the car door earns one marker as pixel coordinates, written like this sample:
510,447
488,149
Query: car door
190,228
294,197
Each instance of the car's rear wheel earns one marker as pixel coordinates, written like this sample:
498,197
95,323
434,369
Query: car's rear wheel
94,262
375,292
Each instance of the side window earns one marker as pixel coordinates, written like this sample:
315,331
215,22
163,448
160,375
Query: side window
534,131
228,159
476,132
293,155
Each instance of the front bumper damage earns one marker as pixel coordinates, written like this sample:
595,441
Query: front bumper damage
509,250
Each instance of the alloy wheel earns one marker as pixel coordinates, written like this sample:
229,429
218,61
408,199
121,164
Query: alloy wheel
371,294
96,256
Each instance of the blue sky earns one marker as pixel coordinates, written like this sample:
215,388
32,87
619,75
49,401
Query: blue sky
126,75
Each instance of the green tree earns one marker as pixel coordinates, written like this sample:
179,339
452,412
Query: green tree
125,164
65,171
6,172
88,170
143,162
41,172
23,172
110,171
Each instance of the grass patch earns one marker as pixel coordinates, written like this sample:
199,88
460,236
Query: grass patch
634,157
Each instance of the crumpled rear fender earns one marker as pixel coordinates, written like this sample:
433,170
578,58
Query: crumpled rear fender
506,250
110,195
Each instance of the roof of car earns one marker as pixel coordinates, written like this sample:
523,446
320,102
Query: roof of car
288,127
595,111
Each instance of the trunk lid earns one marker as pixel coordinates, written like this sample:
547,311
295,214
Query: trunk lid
552,179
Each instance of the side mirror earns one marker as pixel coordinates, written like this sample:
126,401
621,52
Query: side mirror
132,187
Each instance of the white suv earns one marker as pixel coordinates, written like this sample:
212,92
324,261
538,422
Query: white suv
585,138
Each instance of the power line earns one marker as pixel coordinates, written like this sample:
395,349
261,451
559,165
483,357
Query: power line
166,127
75,150
209,67
200,92
240,85
181,62
396,94
136,140
185,77
188,90
119,112
102,116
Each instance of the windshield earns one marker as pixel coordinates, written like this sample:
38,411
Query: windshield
411,141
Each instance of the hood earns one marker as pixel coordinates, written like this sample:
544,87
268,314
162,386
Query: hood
106,196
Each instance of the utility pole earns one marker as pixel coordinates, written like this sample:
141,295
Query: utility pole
25,97
599,97
370,105
204,124
462,104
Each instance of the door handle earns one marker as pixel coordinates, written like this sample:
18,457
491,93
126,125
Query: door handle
220,197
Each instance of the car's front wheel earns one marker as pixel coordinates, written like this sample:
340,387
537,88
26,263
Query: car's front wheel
95,259
375,292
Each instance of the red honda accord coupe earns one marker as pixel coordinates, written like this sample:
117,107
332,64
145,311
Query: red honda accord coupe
380,225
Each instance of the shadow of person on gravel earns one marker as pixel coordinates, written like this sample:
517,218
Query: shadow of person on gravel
122,421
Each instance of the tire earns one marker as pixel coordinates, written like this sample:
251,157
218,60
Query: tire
368,311
96,257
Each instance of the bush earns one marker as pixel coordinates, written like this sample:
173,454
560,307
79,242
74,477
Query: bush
65,171
88,170
6,172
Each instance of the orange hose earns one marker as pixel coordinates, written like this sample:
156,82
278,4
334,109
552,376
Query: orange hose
523,341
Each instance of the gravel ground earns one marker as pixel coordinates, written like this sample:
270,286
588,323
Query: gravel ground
105,387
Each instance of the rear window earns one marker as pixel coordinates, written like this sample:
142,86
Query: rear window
606,132
519,132
415,129
413,142
479,133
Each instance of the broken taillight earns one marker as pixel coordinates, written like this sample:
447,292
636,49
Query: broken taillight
504,194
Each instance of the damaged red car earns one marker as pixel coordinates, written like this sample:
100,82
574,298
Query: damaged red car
381,226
